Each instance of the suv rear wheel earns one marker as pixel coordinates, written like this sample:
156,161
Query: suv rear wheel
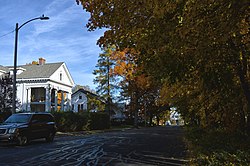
50,137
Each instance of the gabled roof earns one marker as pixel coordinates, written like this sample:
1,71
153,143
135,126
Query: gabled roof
4,69
38,71
85,92
89,94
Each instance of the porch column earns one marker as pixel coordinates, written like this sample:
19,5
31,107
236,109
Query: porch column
56,101
68,102
28,98
62,100
48,99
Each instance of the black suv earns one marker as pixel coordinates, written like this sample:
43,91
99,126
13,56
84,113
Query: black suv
23,127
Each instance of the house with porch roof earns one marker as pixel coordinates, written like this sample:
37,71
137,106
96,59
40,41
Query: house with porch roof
3,70
44,87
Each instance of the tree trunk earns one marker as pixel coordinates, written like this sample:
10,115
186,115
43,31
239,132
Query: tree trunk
150,119
158,120
242,72
136,110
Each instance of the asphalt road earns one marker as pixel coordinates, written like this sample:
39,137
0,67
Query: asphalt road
145,146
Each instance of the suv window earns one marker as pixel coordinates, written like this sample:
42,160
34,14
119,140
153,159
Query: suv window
42,118
49,118
18,118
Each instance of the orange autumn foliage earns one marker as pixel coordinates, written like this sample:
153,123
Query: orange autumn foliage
126,67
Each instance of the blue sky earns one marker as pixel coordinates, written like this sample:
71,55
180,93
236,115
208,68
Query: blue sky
62,38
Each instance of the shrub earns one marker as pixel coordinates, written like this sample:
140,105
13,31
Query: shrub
99,121
70,121
223,158
4,115
218,147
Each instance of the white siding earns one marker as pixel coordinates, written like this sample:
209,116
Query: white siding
62,76
54,82
76,101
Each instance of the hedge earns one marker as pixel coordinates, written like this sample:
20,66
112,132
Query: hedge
99,121
70,121
4,115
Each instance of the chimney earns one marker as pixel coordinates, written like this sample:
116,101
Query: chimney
42,61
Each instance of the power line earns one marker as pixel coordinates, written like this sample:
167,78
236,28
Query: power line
7,33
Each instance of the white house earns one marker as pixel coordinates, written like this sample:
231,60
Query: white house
80,100
44,86
175,117
118,112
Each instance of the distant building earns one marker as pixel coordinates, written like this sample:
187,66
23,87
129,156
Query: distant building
81,101
43,87
118,112
175,118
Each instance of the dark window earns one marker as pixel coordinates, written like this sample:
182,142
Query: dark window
60,76
80,97
36,119
50,118
42,118
81,106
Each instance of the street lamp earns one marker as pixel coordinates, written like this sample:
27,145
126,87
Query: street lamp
15,59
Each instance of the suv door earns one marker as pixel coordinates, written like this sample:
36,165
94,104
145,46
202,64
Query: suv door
50,128
38,126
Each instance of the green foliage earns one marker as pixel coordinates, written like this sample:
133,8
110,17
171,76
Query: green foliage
107,82
223,158
198,49
4,115
103,77
218,147
95,103
70,121
99,121
6,92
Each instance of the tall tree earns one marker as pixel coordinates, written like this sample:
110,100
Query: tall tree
106,81
139,88
215,55
199,50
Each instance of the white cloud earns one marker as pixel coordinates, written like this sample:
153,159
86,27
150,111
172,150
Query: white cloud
60,16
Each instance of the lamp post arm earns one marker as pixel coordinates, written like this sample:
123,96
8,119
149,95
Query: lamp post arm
27,22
